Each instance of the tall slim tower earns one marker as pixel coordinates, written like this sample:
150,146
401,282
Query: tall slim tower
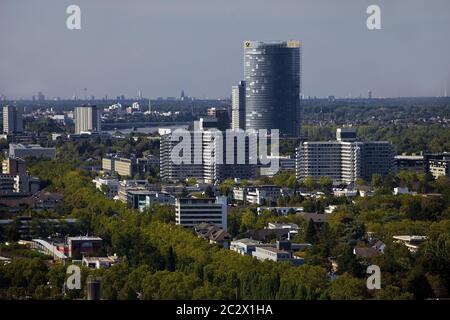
12,119
238,106
87,118
272,75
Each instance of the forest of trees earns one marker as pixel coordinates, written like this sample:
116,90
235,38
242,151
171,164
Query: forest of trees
165,261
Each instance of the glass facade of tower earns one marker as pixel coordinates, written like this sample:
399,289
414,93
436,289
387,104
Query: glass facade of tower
272,75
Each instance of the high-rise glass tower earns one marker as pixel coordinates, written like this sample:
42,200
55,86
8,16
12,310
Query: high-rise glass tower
272,76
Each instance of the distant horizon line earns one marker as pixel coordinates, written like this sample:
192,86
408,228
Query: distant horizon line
170,98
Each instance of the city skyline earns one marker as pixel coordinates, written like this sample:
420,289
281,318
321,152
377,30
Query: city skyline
125,49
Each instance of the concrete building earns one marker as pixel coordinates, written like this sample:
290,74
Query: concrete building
216,166
107,185
14,166
285,163
238,106
123,166
18,184
87,119
272,76
410,163
83,245
221,116
438,164
127,185
26,184
257,195
263,194
142,198
12,119
193,211
211,159
344,160
245,246
31,151
100,262
169,171
281,253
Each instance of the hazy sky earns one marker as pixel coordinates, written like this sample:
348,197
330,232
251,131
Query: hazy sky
163,46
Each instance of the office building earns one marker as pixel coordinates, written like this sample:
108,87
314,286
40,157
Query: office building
12,119
438,164
18,184
127,185
110,187
216,168
31,151
123,166
77,247
238,106
344,160
193,211
169,171
414,163
272,77
141,198
281,253
14,166
87,119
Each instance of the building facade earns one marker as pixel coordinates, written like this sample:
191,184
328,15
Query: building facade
87,119
193,211
272,76
12,119
170,171
238,106
31,151
438,164
410,163
344,160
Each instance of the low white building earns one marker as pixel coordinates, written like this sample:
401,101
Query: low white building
100,262
107,185
401,190
412,242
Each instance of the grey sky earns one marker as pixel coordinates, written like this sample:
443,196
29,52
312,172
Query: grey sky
163,46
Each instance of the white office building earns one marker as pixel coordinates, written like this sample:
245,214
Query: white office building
344,160
193,211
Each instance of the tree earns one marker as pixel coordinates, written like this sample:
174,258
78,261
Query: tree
309,183
209,192
226,187
171,260
326,184
311,232
348,263
346,287
376,181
